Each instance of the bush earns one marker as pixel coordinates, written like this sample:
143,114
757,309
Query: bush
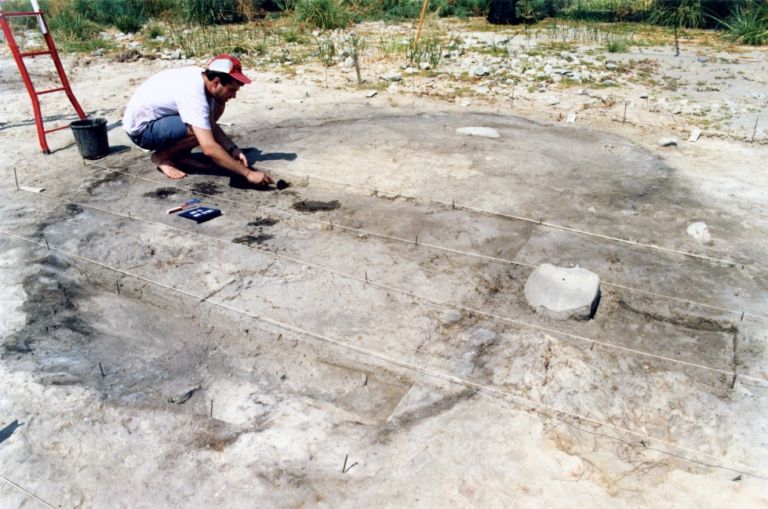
208,12
462,8
325,14
153,30
748,25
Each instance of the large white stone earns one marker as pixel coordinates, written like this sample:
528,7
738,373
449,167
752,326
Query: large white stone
699,231
563,293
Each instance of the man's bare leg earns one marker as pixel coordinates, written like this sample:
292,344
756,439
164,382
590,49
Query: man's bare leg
165,158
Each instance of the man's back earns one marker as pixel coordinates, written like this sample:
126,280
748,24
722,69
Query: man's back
170,92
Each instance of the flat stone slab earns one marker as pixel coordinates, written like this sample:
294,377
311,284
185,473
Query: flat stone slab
484,132
563,293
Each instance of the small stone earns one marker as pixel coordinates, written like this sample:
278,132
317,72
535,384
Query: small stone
370,94
610,66
551,101
481,334
695,135
349,62
392,76
480,70
571,119
699,231
563,293
451,316
484,132
425,66
668,142
465,103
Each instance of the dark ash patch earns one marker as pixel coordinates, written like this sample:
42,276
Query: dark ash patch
50,308
263,221
208,187
250,240
314,206
161,193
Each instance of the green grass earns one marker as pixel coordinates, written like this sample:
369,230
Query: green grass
617,46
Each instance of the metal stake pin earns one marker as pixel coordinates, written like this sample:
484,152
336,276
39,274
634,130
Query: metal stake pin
16,178
102,371
754,129
624,118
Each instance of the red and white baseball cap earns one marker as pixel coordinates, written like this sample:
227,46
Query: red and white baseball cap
229,65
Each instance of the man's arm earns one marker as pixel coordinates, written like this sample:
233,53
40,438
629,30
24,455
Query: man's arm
219,155
230,146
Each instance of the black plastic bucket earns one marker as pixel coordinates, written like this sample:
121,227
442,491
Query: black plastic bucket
91,137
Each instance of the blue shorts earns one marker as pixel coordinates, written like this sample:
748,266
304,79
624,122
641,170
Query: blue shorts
160,133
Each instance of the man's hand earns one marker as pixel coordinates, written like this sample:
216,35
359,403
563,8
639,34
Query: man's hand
240,157
259,178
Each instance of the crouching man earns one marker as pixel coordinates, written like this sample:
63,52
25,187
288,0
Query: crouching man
177,110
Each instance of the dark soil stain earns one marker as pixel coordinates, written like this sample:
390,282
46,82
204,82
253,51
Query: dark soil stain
208,187
413,417
217,435
314,206
161,193
250,240
263,221
73,209
50,308
110,177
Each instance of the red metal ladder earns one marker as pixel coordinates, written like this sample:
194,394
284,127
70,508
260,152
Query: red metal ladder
19,57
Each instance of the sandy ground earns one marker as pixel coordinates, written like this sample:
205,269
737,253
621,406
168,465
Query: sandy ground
381,353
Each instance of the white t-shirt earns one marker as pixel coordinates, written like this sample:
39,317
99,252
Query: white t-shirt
170,92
